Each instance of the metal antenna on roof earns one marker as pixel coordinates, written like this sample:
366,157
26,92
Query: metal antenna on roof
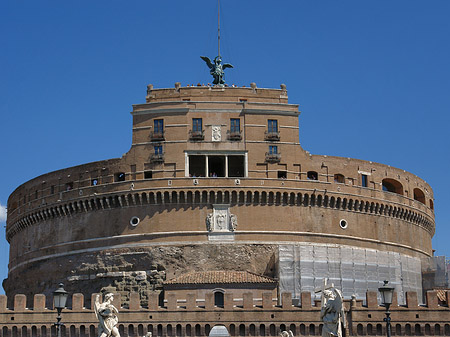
216,69
218,26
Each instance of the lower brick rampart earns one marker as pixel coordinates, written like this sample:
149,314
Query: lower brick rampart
195,317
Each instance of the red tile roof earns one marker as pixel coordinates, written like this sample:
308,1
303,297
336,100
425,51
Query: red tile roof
220,277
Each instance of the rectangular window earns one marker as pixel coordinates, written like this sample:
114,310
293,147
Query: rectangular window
158,125
235,125
197,125
272,126
158,149
363,180
273,149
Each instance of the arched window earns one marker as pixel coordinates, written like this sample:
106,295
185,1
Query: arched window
197,330
119,176
417,330
252,330
379,329
360,330
312,175
437,329
242,330
272,330
419,195
339,178
391,185
219,298
312,329
207,329
302,329
262,330
130,330
408,329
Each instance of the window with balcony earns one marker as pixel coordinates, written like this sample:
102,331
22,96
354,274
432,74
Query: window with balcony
273,155
197,129
272,130
158,156
158,129
235,129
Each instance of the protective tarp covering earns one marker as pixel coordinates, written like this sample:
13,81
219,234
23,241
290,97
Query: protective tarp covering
303,267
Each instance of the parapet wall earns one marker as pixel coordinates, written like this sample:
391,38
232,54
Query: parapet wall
190,316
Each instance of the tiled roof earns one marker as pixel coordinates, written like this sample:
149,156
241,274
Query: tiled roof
220,277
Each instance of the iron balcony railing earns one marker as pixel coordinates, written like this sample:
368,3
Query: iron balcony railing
157,135
234,134
273,157
196,135
272,135
157,158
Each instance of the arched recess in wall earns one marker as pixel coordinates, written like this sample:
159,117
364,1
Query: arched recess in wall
419,195
312,175
392,185
219,298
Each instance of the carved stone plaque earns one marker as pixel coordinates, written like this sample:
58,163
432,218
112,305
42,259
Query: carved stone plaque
221,224
216,133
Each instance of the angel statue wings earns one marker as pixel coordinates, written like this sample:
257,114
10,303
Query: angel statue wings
216,69
332,313
106,314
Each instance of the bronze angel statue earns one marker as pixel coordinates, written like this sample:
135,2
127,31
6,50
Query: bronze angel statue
216,69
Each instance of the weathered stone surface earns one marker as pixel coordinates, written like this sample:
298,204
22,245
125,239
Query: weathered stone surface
142,270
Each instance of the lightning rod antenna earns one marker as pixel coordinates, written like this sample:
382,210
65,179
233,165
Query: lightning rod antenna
218,26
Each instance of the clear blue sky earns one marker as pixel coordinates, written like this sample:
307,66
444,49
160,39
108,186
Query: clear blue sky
372,78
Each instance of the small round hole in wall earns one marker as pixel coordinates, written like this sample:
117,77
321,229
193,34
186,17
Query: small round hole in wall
343,223
134,221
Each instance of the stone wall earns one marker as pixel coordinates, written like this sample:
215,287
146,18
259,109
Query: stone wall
190,317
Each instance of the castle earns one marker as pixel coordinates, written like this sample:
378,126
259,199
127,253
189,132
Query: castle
216,180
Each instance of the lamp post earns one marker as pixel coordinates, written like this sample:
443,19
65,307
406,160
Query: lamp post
387,292
59,300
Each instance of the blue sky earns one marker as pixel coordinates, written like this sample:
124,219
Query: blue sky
372,78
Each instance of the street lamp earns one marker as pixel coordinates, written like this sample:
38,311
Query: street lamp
387,293
59,300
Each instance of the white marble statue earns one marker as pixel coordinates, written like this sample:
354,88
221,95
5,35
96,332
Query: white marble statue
286,334
332,312
106,314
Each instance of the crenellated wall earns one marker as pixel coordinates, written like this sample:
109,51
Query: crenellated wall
195,317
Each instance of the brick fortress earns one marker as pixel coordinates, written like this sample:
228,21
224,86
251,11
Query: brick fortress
216,181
